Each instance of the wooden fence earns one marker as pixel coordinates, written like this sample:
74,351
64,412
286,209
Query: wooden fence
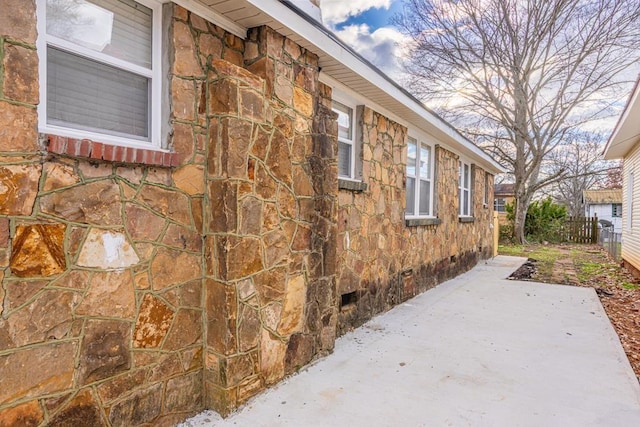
581,229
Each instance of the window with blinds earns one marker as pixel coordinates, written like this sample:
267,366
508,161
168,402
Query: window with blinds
345,140
99,67
419,179
464,189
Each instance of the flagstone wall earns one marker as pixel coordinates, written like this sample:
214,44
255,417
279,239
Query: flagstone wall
141,286
270,225
383,259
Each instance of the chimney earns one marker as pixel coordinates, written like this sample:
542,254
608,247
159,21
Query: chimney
310,7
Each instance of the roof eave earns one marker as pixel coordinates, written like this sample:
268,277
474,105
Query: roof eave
323,42
626,132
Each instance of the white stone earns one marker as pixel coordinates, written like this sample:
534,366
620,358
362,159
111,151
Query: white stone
107,250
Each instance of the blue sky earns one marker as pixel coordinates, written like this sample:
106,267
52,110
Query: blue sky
365,26
374,17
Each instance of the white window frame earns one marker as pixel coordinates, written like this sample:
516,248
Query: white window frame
496,205
416,198
347,103
630,184
462,187
155,75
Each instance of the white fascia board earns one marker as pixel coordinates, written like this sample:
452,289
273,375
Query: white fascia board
484,160
211,16
436,126
627,131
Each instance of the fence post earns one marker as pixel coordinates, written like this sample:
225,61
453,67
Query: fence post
594,228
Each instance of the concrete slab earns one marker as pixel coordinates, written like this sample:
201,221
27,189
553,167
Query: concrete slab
477,350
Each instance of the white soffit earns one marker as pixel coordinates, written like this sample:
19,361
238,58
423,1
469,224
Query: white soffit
342,65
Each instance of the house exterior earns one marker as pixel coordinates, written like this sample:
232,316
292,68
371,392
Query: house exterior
503,194
196,198
624,143
606,204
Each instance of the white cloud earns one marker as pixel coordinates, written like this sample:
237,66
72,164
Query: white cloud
384,47
337,11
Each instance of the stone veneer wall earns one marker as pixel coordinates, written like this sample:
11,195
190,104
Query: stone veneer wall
225,275
271,219
383,262
104,316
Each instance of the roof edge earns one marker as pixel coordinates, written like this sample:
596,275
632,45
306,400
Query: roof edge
432,116
609,152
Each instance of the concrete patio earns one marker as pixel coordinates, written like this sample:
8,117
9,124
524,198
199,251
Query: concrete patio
477,350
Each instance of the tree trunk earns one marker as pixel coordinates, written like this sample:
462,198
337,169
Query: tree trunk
520,217
518,223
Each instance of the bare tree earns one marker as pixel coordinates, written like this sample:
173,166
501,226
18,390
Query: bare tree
581,165
614,175
520,76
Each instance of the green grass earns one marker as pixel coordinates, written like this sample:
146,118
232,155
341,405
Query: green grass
545,255
587,269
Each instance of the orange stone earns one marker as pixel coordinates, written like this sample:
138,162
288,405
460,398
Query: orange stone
38,250
27,414
153,322
18,187
50,369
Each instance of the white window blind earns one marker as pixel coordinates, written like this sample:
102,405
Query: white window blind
100,63
419,179
88,95
345,139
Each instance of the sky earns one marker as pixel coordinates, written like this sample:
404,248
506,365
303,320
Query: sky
365,25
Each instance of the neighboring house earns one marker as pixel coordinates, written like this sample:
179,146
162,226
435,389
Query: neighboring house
196,200
624,144
503,194
606,204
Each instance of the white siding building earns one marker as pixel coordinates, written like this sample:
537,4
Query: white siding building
606,204
624,144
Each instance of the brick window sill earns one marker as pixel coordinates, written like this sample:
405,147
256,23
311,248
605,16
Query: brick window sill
466,219
347,184
111,153
415,222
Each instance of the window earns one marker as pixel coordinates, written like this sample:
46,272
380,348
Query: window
499,205
485,196
419,179
630,201
346,145
464,189
616,210
100,65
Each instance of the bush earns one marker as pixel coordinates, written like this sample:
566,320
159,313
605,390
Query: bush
506,234
544,221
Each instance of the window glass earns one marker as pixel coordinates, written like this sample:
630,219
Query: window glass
464,189
118,28
344,159
97,70
411,196
76,84
419,178
345,140
412,155
425,160
425,198
345,115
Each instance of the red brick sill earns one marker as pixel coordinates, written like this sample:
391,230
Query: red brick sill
108,152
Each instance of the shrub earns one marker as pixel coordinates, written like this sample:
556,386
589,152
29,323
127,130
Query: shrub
544,221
